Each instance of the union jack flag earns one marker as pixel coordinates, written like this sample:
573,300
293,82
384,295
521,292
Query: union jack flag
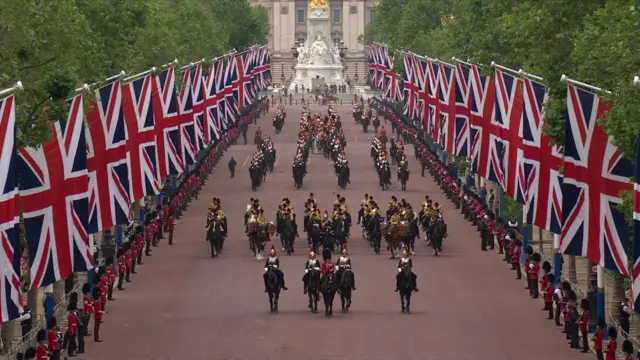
636,233
214,116
595,172
431,100
481,108
10,292
231,102
410,88
192,105
141,142
170,126
543,161
265,68
447,107
509,142
240,68
462,110
54,199
188,110
109,174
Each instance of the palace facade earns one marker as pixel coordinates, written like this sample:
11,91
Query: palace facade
288,20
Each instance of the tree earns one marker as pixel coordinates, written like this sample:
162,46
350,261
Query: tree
53,47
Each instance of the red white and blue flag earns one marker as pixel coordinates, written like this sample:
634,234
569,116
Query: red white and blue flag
410,87
54,199
462,110
137,103
481,108
192,108
214,111
595,172
636,234
10,292
171,135
231,102
447,107
542,161
108,168
242,79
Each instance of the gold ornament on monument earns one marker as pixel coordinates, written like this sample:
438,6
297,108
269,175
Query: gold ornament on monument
319,4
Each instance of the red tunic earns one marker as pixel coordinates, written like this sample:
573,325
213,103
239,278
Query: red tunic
327,267
140,239
127,258
172,224
516,256
111,275
72,324
122,268
87,304
165,210
611,350
584,321
526,265
535,271
548,296
54,344
97,308
134,250
597,340
42,353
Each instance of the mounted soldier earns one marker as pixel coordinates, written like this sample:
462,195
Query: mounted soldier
406,262
312,264
344,263
273,263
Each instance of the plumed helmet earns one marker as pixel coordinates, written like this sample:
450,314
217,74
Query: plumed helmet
405,252
627,347
546,266
612,332
529,250
273,249
536,257
326,213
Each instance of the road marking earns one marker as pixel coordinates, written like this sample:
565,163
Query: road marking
355,137
277,159
245,161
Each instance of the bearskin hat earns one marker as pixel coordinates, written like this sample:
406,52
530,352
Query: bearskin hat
41,335
627,347
30,353
96,293
551,278
585,304
518,242
612,332
536,257
546,266
86,288
73,306
73,297
52,322
326,254
566,286
103,270
529,250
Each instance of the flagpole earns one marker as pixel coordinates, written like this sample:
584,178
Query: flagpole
172,63
17,87
567,80
468,63
192,64
87,88
141,74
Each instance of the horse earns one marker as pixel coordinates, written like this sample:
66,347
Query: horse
298,174
384,174
313,290
273,289
257,243
403,176
329,287
287,235
343,177
340,234
438,233
405,288
256,177
376,234
214,235
345,287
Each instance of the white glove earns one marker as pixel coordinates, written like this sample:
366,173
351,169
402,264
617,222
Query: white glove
337,267
265,269
306,271
275,266
531,266
399,270
316,268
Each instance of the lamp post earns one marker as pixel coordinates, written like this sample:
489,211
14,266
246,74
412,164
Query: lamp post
282,73
355,77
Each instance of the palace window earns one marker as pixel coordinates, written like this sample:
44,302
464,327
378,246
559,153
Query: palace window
337,16
300,15
372,15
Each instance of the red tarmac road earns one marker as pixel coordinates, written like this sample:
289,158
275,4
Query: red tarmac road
185,305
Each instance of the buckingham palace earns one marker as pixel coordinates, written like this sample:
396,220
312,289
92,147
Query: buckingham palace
288,20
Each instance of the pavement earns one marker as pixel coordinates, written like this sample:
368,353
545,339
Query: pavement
185,305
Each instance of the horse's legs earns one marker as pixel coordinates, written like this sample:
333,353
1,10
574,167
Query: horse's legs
408,302
343,301
270,302
275,302
402,302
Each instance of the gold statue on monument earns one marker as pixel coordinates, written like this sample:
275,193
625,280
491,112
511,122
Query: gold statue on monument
319,4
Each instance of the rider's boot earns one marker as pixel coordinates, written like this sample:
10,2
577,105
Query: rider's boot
266,288
397,285
284,287
353,285
415,283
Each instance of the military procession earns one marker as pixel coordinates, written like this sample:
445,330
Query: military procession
263,160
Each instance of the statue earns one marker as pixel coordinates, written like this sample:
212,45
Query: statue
319,4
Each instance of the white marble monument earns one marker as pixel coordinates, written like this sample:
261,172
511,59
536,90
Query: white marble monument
318,57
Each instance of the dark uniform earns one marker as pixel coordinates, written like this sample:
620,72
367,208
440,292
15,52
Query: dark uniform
406,261
274,263
311,264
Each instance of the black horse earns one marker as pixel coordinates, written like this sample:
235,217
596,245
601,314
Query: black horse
256,174
384,175
313,290
343,177
287,234
405,288
273,289
214,235
375,232
329,288
403,176
298,174
438,233
345,287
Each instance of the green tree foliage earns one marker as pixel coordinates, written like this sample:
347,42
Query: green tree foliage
53,47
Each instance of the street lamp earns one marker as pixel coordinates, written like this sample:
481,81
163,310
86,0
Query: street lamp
282,72
342,49
355,77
